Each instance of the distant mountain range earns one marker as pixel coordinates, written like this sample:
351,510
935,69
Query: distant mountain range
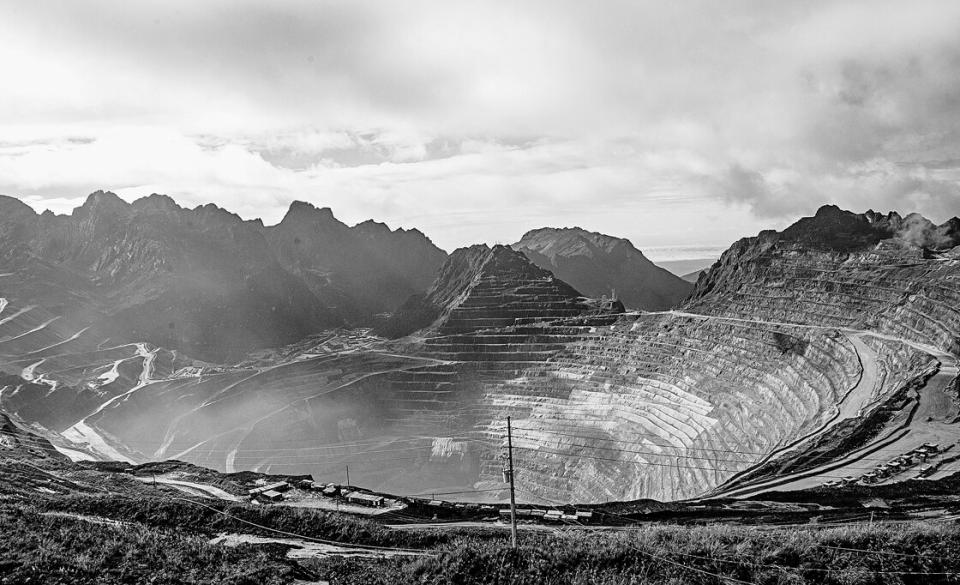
203,280
598,265
207,283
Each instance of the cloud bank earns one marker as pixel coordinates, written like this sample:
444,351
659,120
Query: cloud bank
688,123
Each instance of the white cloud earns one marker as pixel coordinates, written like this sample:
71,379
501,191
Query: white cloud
668,123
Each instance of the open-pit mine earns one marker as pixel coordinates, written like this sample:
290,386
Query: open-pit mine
825,354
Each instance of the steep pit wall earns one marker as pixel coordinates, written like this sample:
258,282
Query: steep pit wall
888,289
664,407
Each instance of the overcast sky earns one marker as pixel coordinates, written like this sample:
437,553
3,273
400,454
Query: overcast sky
670,123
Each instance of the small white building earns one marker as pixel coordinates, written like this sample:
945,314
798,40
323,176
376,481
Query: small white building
271,496
365,499
280,486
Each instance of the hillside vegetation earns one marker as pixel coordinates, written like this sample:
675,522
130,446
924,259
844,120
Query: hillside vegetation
60,550
910,553
113,539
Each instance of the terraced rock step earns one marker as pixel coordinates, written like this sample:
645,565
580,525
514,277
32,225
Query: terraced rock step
483,288
801,355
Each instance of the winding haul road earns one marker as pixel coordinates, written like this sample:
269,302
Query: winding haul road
930,421
193,488
931,418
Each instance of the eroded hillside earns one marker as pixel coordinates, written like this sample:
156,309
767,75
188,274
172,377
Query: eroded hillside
806,356
203,281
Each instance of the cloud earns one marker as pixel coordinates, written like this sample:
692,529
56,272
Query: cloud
919,232
478,120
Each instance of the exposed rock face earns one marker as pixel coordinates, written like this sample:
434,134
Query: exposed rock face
204,281
843,270
490,288
597,265
365,270
803,355
498,316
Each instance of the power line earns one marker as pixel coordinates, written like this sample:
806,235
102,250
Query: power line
513,502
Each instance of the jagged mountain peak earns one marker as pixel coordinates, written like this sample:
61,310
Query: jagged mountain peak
304,212
504,257
156,202
214,215
836,229
375,226
176,277
12,208
102,203
481,287
380,231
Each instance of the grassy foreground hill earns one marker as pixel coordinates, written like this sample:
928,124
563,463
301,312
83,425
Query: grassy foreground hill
64,523
39,547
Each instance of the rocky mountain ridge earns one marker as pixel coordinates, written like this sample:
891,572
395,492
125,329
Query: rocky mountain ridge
208,283
365,270
601,265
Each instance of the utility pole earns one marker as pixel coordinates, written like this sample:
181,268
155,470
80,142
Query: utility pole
513,500
348,475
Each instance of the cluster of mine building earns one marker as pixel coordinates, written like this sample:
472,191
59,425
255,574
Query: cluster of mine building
895,466
274,492
277,492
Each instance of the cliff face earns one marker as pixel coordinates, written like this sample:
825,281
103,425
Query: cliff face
203,280
879,272
597,265
365,270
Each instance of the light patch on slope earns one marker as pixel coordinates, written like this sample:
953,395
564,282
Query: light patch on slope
17,314
39,327
27,373
52,383
67,340
144,378
228,464
186,451
75,455
83,434
445,447
111,375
